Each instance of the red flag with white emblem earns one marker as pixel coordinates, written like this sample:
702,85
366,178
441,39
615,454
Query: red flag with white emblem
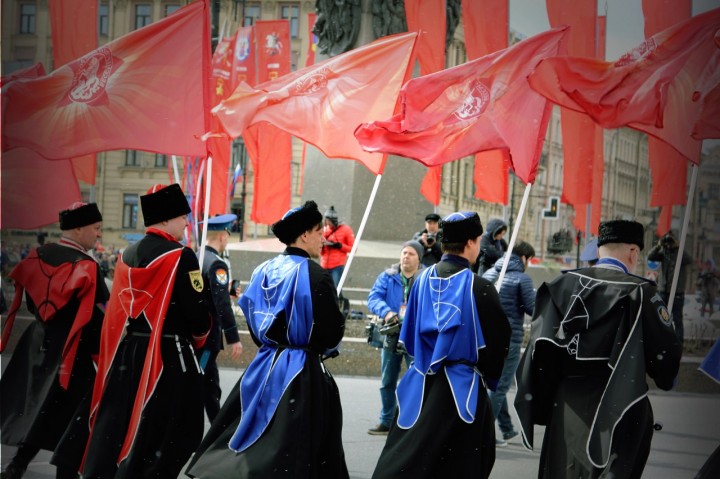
146,91
481,105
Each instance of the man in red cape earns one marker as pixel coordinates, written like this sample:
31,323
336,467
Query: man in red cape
147,412
49,379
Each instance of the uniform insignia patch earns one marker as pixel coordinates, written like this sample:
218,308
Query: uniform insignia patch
221,276
196,280
664,315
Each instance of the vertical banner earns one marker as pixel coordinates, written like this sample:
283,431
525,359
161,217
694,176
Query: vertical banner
270,148
578,130
668,168
428,18
273,49
244,58
313,40
486,24
70,40
220,147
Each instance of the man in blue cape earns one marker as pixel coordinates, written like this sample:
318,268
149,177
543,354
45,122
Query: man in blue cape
284,418
458,335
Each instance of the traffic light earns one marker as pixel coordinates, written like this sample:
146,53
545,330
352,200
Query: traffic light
551,212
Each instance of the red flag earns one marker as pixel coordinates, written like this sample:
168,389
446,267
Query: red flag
490,176
647,85
269,149
272,38
144,91
707,94
34,71
485,23
244,58
428,18
323,103
665,220
72,39
480,105
35,189
313,39
668,168
430,186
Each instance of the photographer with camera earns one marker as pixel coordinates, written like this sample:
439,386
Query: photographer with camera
387,299
430,239
666,252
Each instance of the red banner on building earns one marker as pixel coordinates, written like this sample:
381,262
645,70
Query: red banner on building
272,38
244,58
313,40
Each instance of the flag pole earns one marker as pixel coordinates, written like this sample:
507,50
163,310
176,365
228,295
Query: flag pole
207,210
359,233
198,177
513,237
683,235
176,176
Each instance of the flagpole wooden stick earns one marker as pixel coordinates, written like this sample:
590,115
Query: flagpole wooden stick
683,235
206,212
198,177
176,176
513,237
359,233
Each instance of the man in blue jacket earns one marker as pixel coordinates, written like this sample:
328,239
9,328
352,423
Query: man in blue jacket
517,297
388,299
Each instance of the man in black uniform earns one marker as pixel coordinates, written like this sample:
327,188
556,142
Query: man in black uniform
147,412
284,418
49,379
596,333
457,333
216,274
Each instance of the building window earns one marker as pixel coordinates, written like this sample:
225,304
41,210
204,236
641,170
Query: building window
143,15
171,8
161,161
292,14
130,209
27,18
252,14
103,19
132,158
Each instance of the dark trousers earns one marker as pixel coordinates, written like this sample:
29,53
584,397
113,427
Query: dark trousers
211,382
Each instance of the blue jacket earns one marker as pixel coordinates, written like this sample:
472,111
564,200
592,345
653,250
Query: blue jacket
387,292
517,295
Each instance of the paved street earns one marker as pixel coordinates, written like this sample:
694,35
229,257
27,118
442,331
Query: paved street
691,431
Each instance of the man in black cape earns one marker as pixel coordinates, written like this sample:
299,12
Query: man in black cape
284,418
596,333
49,379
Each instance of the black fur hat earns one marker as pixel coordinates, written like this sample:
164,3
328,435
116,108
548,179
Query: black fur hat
163,203
621,231
79,215
461,226
296,222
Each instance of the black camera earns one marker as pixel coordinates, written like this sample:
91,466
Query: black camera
430,239
391,326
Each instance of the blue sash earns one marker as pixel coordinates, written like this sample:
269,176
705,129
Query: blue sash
441,330
279,285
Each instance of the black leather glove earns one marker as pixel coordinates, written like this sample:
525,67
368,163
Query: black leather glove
336,245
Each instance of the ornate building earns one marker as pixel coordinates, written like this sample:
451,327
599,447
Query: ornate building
122,176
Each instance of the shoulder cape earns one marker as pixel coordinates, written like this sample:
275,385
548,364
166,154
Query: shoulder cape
136,291
279,287
51,287
441,329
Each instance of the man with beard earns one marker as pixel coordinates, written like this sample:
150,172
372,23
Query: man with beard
284,418
50,376
596,333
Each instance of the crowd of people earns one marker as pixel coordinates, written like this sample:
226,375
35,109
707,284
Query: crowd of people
116,381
